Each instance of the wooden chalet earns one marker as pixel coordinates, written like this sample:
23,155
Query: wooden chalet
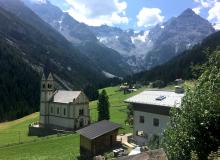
98,137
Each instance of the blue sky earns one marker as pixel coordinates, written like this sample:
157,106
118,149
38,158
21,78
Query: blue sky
136,14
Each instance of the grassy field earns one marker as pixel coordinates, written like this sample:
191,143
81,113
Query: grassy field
15,131
53,147
118,109
59,148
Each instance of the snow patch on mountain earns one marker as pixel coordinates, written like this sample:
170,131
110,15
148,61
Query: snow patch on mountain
217,26
60,23
109,75
139,37
39,1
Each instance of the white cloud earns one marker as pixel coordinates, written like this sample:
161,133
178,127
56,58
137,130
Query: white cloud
98,12
214,13
205,3
213,7
197,10
149,17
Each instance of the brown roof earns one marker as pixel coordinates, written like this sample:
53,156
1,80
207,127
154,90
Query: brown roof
157,154
98,129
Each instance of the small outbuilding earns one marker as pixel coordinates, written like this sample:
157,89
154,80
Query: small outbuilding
98,137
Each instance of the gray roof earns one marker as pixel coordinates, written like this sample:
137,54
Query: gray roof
98,129
65,96
158,98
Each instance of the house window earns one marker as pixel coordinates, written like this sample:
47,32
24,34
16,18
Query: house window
81,112
51,109
58,110
64,111
156,122
141,120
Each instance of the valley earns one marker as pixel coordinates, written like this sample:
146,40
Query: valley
114,79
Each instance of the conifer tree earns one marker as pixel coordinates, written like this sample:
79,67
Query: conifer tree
103,106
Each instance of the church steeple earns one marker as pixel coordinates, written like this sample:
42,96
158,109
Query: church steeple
50,82
43,77
43,82
50,77
47,90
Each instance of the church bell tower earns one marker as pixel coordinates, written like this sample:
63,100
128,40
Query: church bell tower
47,90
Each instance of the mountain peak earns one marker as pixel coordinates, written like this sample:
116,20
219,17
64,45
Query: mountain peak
188,12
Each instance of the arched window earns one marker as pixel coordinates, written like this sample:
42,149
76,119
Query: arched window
156,122
58,110
49,86
81,112
81,124
43,85
64,111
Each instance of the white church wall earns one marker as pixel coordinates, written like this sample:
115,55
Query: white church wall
62,122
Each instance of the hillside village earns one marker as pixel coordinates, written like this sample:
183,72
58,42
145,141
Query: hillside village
94,80
67,111
126,140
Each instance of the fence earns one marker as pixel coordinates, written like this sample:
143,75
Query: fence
20,137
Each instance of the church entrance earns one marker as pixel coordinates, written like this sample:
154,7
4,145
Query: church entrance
81,123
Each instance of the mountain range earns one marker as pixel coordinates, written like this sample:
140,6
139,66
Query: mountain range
176,35
141,50
81,36
188,65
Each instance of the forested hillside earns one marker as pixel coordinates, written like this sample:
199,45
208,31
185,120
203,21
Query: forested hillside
81,36
186,66
43,46
105,58
19,84
25,51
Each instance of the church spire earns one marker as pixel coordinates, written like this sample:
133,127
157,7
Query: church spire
43,77
50,77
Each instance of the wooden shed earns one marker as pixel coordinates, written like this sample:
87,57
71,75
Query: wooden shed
98,137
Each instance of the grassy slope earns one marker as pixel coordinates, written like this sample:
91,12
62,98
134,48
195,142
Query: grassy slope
59,148
66,147
11,132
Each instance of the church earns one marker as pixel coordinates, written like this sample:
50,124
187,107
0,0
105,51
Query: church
61,109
